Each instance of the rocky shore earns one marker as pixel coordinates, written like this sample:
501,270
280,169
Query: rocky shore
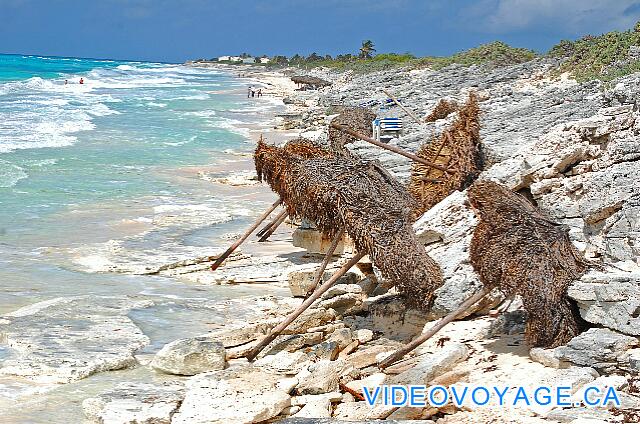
571,148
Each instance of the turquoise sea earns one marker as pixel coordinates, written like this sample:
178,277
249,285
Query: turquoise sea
97,176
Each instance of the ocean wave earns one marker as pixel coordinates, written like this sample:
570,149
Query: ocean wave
232,125
10,174
191,97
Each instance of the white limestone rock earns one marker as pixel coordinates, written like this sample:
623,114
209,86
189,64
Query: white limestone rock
190,356
135,403
234,396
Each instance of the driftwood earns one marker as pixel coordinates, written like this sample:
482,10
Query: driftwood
247,233
458,150
518,249
338,192
276,331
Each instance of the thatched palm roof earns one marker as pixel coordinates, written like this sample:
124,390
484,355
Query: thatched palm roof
443,109
309,80
358,119
458,149
335,192
516,248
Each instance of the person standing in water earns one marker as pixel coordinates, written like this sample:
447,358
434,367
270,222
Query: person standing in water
249,92
260,92
81,81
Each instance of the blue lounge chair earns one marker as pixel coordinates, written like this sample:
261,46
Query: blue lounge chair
385,129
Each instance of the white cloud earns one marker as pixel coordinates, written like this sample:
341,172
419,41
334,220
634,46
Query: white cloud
570,16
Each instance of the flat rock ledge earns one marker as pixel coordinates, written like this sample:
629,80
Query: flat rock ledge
235,396
135,403
69,338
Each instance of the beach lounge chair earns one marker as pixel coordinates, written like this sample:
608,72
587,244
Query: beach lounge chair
385,129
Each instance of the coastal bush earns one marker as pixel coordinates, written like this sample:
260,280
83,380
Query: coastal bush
602,57
495,54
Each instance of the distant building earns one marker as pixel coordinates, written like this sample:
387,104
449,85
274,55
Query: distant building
224,59
249,60
265,60
235,59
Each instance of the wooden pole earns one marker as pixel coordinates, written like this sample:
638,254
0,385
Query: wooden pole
325,261
387,147
275,332
269,225
407,111
238,242
276,223
398,354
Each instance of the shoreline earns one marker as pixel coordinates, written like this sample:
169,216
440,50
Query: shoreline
334,351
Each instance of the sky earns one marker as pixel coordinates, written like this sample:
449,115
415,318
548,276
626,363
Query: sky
178,30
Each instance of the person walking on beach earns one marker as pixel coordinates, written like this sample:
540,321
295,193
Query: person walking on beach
253,93
249,92
260,92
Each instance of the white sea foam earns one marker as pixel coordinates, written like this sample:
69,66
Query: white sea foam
231,125
10,174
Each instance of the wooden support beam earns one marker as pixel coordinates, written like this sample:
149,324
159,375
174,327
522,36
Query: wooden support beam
276,223
275,332
393,149
407,111
269,225
325,261
398,354
247,233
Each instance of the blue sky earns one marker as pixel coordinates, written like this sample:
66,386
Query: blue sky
177,30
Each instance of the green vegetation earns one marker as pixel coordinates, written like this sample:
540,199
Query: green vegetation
495,54
366,49
604,57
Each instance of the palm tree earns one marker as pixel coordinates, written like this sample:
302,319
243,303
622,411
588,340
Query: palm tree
366,49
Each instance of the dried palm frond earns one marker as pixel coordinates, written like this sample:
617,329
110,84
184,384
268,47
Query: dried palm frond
309,80
457,149
516,248
336,192
443,109
358,119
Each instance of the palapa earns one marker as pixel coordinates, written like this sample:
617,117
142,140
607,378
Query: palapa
341,192
309,80
443,109
459,150
516,248
358,119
